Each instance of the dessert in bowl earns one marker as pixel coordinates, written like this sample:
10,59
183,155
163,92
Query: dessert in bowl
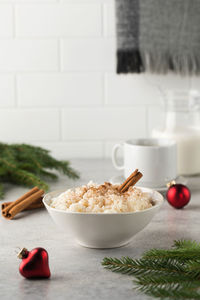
102,216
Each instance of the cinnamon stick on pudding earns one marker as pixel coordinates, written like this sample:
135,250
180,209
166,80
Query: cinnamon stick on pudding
130,181
22,203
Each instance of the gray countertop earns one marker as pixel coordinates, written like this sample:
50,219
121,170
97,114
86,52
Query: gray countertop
76,271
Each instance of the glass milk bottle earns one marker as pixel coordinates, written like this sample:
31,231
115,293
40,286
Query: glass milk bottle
182,123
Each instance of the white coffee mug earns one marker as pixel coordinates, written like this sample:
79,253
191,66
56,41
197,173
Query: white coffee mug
155,158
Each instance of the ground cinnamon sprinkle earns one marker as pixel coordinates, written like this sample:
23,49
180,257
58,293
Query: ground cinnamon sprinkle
104,198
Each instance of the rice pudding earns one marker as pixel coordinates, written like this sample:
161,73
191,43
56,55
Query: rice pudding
104,198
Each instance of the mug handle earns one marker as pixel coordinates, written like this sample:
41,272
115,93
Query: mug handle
114,157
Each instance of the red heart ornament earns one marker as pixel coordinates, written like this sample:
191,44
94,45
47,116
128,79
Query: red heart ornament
35,263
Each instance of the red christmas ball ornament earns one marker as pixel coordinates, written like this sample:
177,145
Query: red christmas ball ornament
178,195
35,263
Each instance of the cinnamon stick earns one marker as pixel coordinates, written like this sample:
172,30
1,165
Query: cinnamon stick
37,204
22,203
26,195
130,181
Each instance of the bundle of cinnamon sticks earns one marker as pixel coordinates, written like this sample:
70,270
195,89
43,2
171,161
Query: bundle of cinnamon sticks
31,200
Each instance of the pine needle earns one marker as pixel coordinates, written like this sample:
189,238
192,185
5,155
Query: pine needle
182,254
186,244
1,191
163,273
28,165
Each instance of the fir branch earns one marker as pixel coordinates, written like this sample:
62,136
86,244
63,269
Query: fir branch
163,273
182,244
42,159
28,179
28,165
194,269
160,280
182,254
63,166
127,265
47,174
173,293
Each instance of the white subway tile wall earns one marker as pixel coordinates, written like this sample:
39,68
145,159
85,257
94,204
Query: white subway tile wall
58,86
28,55
6,21
60,89
104,123
94,54
58,20
29,125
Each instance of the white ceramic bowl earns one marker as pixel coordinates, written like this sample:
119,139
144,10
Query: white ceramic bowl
99,230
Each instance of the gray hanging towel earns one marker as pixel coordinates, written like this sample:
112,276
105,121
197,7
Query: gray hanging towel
158,36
